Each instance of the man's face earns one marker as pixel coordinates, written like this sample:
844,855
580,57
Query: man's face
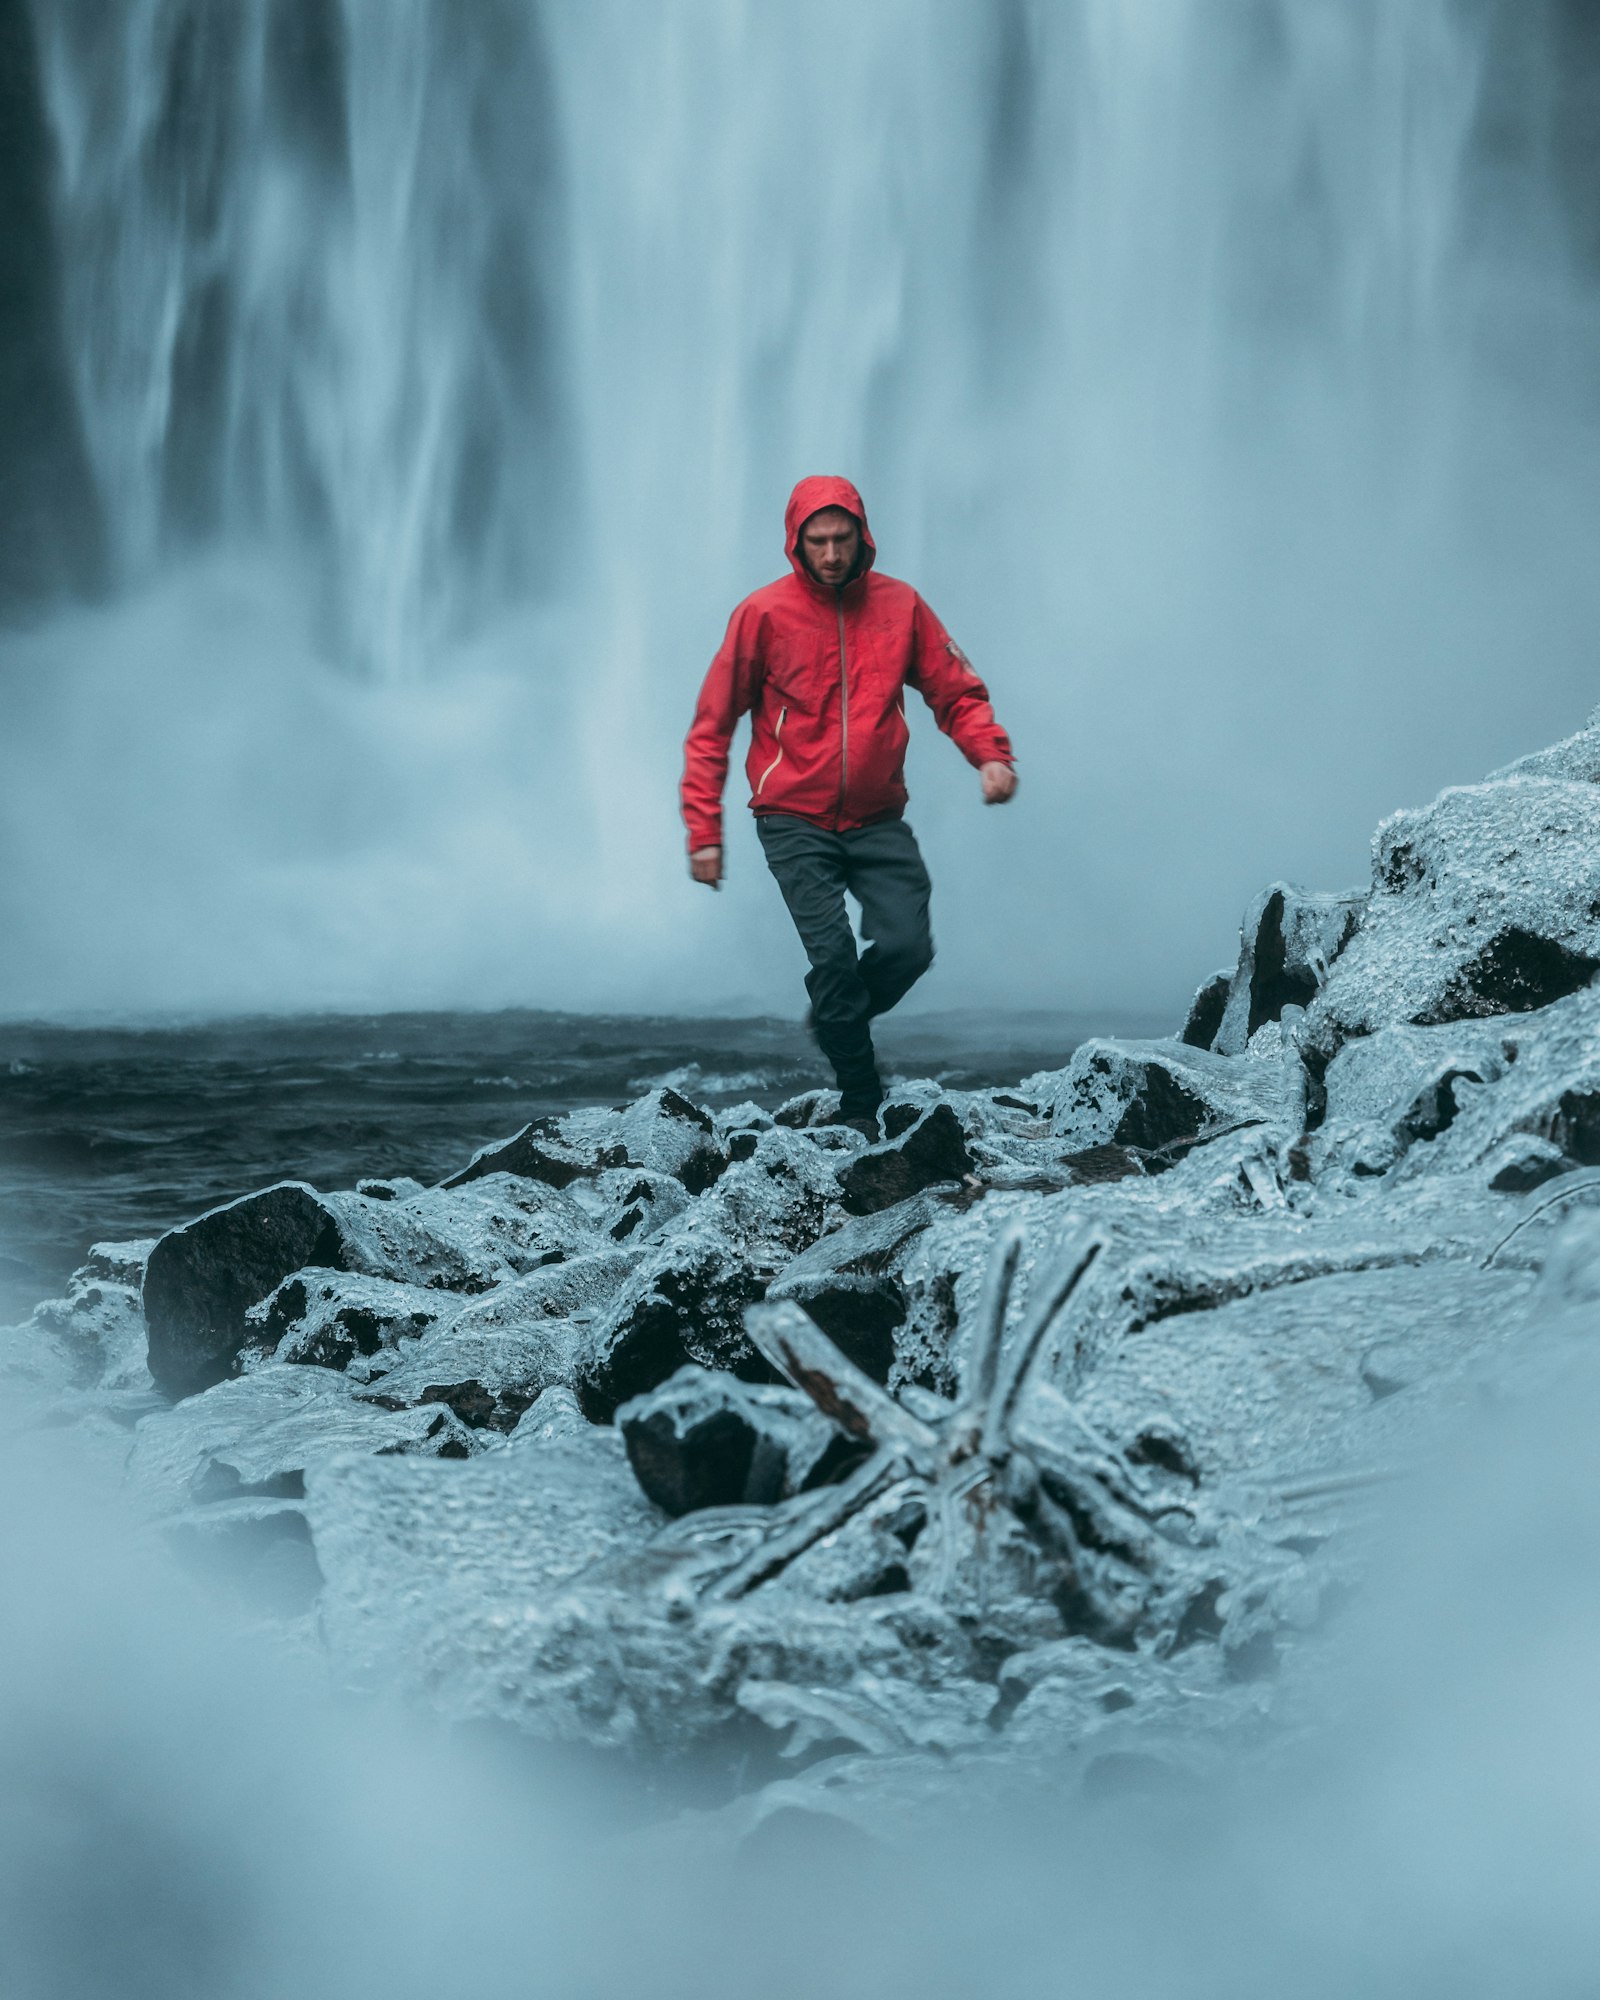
830,541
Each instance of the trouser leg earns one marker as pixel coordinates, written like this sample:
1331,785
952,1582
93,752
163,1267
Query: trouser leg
886,875
811,868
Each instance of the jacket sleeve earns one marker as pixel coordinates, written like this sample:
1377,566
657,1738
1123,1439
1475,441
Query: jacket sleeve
729,690
943,676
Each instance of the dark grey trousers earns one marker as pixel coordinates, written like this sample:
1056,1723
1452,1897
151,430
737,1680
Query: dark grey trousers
882,868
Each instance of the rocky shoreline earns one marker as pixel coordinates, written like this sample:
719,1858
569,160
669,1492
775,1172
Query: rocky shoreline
1032,1429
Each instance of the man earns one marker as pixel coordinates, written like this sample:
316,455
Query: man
821,660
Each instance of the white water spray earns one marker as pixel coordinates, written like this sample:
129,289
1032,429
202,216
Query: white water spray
1193,361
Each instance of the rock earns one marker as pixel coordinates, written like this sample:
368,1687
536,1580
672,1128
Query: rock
1158,1098
810,1109
632,1204
1576,757
931,1151
848,1285
329,1319
1287,943
259,1435
662,1132
536,1153
202,1279
710,1440
665,1132
685,1302
1093,1166
779,1198
487,1378
1206,1009
438,1575
1401,1087
1485,903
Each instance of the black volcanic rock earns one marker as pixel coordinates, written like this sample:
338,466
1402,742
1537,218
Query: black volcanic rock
684,1303
706,1439
201,1279
931,1151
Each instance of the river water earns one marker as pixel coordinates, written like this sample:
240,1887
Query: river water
108,1133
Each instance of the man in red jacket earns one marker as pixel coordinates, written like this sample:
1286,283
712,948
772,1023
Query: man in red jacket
820,660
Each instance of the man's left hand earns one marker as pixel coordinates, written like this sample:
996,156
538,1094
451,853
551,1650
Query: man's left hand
999,782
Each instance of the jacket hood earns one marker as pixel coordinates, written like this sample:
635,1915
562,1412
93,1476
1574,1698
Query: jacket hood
810,497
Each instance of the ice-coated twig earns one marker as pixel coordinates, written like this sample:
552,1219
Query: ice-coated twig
995,1440
983,1359
827,1510
799,1349
1572,1184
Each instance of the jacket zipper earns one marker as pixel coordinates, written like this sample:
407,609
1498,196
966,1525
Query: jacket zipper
844,712
777,737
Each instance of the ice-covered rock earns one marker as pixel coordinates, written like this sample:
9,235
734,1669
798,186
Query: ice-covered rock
925,1153
201,1280
538,1152
777,1198
848,1283
633,1204
259,1435
1288,942
706,1439
1159,1098
1485,903
331,1319
443,1579
683,1302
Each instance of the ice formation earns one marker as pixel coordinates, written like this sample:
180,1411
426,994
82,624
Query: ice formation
1037,1424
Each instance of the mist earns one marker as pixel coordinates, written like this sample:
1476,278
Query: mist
188,1809
1224,376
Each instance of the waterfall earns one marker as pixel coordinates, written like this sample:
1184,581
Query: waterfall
307,249
1222,370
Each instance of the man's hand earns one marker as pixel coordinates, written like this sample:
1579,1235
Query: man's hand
705,865
999,782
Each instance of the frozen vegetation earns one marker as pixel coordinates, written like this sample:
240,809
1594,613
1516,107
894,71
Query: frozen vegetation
1044,1429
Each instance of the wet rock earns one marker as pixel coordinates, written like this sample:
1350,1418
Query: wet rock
201,1280
1158,1098
665,1132
1287,943
536,1153
931,1151
685,1302
1093,1165
849,1285
706,1439
1485,903
1206,1009
330,1319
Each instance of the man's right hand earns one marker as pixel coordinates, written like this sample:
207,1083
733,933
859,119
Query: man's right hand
705,865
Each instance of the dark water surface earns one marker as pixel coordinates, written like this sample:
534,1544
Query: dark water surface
113,1132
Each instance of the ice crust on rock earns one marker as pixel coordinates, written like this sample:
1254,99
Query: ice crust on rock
1485,903
1288,943
202,1279
981,1517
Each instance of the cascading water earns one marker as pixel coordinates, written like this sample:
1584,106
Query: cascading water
308,249
1223,374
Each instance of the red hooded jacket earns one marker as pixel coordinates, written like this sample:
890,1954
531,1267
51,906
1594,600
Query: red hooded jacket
823,673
